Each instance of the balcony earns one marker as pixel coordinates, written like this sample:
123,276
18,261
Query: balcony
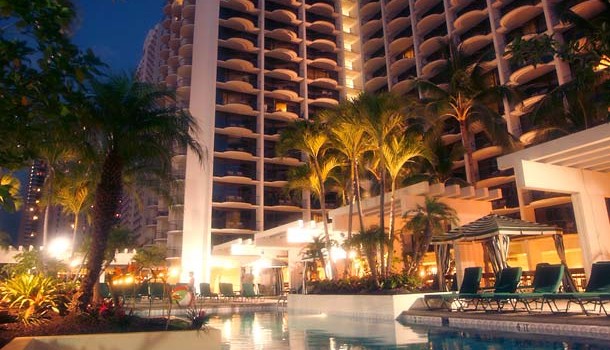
471,19
283,34
236,102
322,8
322,26
235,146
233,219
518,12
235,170
369,10
524,74
398,8
277,199
239,5
235,124
400,27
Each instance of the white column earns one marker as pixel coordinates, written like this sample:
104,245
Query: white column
197,236
588,190
593,227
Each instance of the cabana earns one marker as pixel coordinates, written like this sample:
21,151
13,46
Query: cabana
495,232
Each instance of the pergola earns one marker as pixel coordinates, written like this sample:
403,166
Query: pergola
495,232
577,165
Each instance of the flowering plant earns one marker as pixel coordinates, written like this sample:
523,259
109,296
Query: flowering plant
198,317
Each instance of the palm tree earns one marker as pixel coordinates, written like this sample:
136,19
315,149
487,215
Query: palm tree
314,251
10,200
305,178
369,241
54,152
310,138
396,153
348,138
133,128
425,222
74,193
381,116
470,100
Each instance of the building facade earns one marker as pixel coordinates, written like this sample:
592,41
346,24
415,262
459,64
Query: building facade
247,68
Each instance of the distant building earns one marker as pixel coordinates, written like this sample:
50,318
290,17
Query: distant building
32,218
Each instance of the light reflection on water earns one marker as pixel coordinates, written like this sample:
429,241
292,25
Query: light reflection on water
280,330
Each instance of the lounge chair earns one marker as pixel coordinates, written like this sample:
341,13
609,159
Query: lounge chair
206,292
507,282
226,290
248,292
547,280
463,298
156,290
597,292
105,290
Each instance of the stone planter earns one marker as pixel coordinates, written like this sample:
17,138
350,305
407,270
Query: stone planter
386,307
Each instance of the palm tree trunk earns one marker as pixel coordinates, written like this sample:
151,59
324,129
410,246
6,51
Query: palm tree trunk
351,202
422,248
359,198
391,234
333,271
382,217
468,161
74,232
47,209
106,204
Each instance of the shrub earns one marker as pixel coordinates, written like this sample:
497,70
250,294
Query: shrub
395,283
33,297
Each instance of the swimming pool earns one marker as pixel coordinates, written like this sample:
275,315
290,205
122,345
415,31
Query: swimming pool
281,330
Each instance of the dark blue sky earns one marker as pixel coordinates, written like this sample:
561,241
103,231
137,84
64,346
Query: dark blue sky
115,29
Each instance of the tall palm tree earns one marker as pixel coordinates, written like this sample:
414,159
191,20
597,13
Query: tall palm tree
381,116
74,193
469,99
349,139
311,139
306,178
58,149
396,153
425,222
132,126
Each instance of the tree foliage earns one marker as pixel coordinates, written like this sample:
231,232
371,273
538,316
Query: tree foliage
42,75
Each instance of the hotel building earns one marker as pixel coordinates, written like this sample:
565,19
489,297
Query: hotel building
247,68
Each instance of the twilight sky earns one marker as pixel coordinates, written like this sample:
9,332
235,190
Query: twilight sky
115,29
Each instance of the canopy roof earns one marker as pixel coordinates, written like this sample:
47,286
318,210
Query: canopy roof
492,225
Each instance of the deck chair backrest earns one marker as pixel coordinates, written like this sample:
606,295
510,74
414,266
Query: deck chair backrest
508,280
247,290
205,290
105,290
226,289
599,281
547,278
472,280
157,290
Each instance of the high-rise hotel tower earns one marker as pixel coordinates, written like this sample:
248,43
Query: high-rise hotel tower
247,68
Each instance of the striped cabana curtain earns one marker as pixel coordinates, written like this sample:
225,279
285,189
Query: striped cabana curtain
568,282
496,248
443,260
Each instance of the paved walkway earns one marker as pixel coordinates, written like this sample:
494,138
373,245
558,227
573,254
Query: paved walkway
569,325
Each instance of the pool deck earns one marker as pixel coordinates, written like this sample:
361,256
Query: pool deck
565,325
213,306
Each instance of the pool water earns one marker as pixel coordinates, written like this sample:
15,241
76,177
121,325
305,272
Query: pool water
281,330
